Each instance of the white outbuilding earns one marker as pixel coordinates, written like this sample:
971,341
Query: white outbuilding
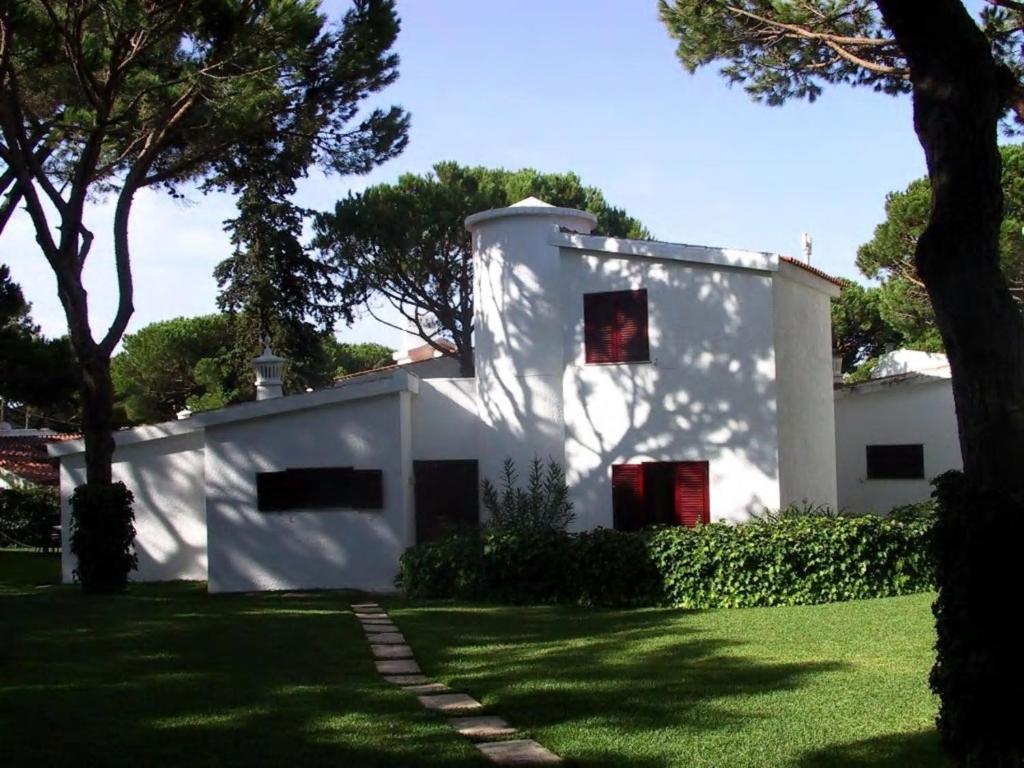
895,432
674,383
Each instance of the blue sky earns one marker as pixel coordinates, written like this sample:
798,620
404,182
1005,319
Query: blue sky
590,86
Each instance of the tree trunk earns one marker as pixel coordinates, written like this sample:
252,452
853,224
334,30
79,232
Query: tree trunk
959,95
97,391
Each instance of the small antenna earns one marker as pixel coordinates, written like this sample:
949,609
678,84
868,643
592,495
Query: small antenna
807,245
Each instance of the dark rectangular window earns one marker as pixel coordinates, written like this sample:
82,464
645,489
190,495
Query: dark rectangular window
895,462
615,326
319,488
660,493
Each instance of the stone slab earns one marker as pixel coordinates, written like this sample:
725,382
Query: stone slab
381,629
407,679
481,727
518,752
362,615
370,607
425,688
391,651
375,620
385,638
398,667
450,702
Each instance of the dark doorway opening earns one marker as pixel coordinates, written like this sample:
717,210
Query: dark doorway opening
447,497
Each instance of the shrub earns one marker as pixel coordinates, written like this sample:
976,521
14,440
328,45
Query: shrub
27,515
793,561
528,565
544,503
613,568
102,530
449,567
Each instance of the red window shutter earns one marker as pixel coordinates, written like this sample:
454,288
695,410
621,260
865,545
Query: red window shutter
598,322
632,325
615,326
691,492
627,496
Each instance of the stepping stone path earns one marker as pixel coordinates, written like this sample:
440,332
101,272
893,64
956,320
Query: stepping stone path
394,660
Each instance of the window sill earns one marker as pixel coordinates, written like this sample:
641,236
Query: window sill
620,362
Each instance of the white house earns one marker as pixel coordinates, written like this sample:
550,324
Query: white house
675,383
895,432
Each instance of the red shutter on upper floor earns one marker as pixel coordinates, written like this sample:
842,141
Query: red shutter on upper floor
691,493
615,326
628,505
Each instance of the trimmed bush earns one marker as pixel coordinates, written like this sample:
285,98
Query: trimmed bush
528,565
797,560
27,516
793,561
446,568
614,568
102,531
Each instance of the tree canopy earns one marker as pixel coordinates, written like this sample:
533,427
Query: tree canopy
36,371
105,97
859,332
198,363
406,243
889,256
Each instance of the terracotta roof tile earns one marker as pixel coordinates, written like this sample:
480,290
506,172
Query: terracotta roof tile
813,270
26,457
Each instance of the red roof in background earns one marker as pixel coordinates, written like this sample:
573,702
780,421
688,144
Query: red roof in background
26,457
813,270
427,351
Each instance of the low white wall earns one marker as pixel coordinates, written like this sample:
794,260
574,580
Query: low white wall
708,392
896,414
343,548
166,478
803,365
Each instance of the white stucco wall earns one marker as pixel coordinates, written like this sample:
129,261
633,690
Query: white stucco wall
344,548
896,413
518,326
707,394
444,420
166,478
803,364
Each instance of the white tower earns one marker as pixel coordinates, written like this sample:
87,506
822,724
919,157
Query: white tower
268,368
518,330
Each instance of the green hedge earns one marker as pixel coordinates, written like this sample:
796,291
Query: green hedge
28,515
789,561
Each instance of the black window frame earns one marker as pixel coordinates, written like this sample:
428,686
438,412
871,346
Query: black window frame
895,461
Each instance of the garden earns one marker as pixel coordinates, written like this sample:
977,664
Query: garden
799,639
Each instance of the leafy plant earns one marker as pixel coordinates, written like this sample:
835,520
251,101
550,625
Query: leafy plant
102,530
544,503
796,560
27,515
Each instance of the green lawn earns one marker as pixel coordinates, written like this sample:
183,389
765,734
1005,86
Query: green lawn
170,676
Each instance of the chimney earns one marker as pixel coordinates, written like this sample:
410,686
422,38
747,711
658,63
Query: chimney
268,373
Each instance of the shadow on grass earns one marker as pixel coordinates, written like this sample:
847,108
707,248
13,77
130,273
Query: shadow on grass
168,675
910,749
621,671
